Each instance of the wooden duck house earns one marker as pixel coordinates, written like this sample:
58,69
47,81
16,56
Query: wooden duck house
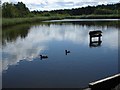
94,34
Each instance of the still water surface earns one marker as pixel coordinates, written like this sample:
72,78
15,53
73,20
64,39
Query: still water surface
22,45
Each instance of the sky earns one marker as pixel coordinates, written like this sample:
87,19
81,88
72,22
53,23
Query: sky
60,4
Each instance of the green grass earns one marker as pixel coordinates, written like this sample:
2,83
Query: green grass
15,21
94,17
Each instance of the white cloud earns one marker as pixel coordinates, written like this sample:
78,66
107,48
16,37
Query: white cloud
59,4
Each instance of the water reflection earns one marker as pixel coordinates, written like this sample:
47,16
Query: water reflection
52,40
95,43
11,34
39,36
90,22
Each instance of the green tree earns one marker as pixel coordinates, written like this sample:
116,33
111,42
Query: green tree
103,11
23,10
7,9
10,10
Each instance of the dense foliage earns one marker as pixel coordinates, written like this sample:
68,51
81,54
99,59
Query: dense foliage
110,9
14,10
10,10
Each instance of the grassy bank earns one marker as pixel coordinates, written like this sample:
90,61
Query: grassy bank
15,21
94,17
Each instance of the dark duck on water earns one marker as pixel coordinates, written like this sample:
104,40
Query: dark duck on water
43,57
66,52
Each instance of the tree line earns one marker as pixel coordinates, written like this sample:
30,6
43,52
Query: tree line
96,10
10,10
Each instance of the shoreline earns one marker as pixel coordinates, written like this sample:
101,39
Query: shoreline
15,21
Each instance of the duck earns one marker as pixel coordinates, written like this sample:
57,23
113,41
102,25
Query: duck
43,56
66,52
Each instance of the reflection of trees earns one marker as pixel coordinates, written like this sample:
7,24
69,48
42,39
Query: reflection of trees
11,34
92,23
99,23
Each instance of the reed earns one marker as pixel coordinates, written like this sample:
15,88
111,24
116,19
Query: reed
94,17
15,21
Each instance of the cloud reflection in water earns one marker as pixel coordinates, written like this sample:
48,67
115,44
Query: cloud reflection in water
39,37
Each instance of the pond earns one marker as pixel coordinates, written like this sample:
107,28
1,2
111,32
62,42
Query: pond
22,45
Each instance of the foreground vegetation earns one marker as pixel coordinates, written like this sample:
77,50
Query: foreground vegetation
18,13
